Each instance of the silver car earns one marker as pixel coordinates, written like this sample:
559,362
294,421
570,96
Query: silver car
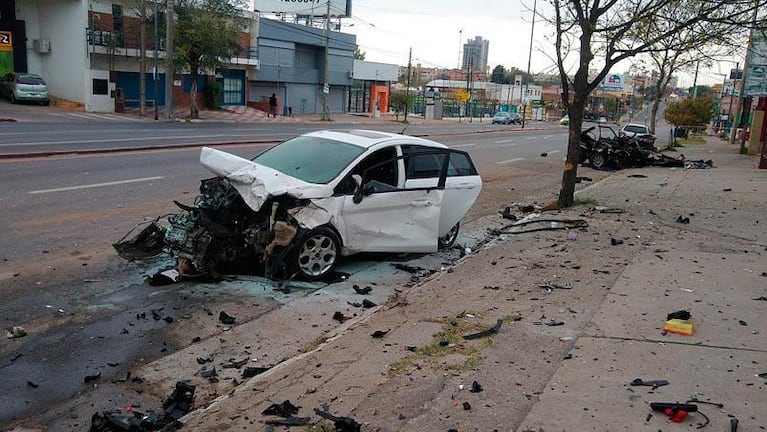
24,87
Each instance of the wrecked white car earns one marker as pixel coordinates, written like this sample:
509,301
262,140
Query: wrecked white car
298,207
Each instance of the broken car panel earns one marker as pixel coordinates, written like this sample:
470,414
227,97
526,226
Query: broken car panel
300,206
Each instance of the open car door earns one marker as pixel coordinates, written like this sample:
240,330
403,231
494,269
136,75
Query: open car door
384,216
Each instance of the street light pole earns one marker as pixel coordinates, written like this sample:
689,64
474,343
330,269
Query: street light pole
155,74
529,59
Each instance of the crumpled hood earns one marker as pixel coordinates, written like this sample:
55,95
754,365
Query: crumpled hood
257,183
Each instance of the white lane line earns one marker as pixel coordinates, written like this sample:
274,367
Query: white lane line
554,151
504,141
40,143
510,161
464,145
531,138
95,185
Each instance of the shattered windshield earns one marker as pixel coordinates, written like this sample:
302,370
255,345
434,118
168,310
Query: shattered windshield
311,159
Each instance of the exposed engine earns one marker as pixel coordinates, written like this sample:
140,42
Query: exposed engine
221,234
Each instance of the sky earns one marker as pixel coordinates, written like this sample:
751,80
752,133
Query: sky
437,29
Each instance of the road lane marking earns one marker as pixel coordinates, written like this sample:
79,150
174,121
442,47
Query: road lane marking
504,141
464,145
531,138
95,185
510,161
167,137
554,151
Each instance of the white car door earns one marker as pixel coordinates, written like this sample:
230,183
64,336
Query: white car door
386,217
462,182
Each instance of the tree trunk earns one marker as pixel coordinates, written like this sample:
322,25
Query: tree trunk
575,113
194,112
142,64
654,114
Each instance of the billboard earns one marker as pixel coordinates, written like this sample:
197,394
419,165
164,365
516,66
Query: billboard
613,82
338,8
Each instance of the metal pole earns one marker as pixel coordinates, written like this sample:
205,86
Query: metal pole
169,59
529,59
407,89
155,75
326,84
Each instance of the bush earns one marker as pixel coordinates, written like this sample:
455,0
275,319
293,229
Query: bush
212,92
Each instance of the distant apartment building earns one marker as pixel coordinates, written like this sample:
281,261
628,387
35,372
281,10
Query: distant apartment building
475,54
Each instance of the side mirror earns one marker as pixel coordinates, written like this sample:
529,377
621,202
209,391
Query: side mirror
357,188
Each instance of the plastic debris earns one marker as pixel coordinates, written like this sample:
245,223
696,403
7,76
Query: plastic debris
16,332
342,424
492,330
226,318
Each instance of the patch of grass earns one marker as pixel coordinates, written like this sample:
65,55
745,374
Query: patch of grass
589,201
312,345
449,341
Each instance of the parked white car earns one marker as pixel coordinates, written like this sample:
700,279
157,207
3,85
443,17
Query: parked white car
633,130
301,205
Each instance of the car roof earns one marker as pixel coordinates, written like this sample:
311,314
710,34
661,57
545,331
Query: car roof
635,125
369,138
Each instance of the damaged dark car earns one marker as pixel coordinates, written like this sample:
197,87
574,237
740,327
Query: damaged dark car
297,208
602,148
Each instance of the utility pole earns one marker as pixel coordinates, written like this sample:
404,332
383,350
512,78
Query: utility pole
468,87
169,59
326,84
155,74
695,81
460,40
407,89
529,60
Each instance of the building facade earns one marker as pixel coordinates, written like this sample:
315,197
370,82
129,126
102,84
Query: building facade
89,53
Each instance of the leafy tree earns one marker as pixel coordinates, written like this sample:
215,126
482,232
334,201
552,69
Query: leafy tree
463,97
206,37
683,49
499,75
609,29
691,112
400,100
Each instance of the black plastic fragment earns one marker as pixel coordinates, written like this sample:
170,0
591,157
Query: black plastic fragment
681,315
362,291
466,406
379,333
290,421
649,383
339,316
492,330
250,371
90,378
226,319
180,401
476,387
285,409
235,364
367,304
342,424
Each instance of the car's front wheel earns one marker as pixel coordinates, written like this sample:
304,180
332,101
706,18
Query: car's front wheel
449,239
12,98
598,160
317,253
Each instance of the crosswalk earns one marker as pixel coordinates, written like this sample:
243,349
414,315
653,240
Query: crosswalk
85,116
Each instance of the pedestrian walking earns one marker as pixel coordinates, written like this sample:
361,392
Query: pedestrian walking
273,105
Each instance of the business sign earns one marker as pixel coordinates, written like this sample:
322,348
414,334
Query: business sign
338,8
6,41
756,75
613,82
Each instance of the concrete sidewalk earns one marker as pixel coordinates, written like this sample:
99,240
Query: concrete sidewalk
564,358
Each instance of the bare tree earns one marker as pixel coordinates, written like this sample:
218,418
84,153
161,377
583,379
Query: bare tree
587,28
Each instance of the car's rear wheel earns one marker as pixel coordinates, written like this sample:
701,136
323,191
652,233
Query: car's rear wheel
12,98
449,239
317,253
